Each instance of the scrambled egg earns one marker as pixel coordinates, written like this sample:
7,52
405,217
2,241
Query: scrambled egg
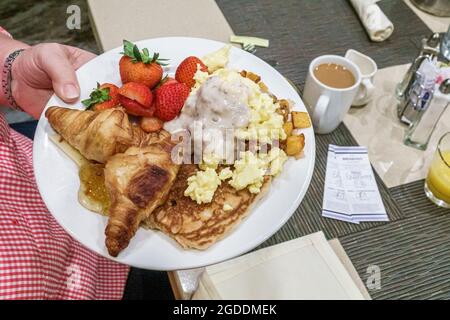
248,172
210,161
274,160
214,61
265,125
250,169
225,174
218,59
202,186
200,77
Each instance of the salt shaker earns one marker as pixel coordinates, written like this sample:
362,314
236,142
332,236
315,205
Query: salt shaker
430,48
409,86
420,93
418,134
445,45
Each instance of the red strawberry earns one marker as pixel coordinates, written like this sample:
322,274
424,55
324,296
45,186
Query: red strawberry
137,66
167,81
137,99
187,69
104,97
169,100
151,124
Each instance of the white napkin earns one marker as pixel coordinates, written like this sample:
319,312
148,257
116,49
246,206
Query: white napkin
377,25
304,268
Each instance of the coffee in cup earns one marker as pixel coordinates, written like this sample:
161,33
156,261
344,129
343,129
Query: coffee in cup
334,75
331,85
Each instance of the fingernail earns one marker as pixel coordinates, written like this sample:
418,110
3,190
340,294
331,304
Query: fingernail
70,91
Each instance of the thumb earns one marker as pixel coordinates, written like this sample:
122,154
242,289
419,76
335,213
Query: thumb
54,59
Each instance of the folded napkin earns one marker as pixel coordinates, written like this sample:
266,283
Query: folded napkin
304,268
377,25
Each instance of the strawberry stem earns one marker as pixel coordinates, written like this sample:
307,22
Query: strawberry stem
97,96
131,50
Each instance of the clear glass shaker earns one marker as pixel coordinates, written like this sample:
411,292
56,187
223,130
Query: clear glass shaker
418,134
445,45
429,51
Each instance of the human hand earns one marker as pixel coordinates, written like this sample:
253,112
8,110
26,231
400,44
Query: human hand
43,69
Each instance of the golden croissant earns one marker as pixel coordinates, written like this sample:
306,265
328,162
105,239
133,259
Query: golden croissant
137,181
139,170
96,135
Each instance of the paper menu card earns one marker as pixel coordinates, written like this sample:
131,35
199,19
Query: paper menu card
351,193
304,268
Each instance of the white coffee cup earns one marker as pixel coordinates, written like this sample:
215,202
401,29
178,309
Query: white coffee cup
368,68
326,104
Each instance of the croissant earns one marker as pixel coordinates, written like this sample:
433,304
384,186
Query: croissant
137,181
96,135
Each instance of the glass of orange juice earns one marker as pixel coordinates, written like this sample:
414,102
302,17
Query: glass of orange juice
437,184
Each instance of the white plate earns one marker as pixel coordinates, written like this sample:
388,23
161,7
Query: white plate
57,175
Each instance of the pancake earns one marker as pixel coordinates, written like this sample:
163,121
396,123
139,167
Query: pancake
200,226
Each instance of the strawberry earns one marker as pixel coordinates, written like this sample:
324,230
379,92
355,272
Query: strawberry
151,124
137,66
105,96
169,100
137,99
187,69
167,81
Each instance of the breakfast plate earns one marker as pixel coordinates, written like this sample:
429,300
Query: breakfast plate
58,182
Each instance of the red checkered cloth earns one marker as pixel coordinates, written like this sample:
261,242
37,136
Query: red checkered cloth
38,259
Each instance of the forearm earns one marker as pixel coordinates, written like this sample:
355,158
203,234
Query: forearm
7,46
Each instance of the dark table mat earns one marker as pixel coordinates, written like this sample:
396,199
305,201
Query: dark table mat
412,250
299,31
413,254
308,216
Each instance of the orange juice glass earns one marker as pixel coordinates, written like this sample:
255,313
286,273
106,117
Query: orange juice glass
437,184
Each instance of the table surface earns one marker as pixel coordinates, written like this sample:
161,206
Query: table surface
412,250
413,247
